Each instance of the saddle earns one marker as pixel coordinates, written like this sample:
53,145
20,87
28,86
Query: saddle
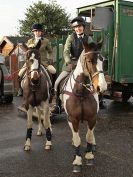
62,84
45,72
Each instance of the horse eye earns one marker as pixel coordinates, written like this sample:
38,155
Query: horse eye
31,61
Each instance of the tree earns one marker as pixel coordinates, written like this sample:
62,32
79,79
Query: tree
54,19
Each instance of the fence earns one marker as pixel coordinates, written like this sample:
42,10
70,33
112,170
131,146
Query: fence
58,46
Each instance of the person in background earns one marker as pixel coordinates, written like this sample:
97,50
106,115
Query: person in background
46,54
72,50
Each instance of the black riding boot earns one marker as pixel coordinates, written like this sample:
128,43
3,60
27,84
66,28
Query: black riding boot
53,82
58,106
101,102
52,92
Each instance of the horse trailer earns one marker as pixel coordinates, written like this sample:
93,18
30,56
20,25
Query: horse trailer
113,21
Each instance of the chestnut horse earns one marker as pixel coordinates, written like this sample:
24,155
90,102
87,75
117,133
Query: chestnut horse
36,96
80,99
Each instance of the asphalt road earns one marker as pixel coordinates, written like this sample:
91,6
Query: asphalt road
114,137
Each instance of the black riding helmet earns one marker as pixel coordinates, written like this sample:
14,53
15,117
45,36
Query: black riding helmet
37,26
78,21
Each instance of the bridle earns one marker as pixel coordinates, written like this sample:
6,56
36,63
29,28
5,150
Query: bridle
89,86
90,75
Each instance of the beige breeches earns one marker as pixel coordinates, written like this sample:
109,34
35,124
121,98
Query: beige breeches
62,75
50,68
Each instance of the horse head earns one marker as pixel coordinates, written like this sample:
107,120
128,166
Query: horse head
92,62
33,62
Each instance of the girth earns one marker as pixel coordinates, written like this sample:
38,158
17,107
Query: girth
77,94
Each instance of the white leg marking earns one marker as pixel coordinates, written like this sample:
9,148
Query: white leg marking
27,146
48,145
29,116
76,139
77,160
40,126
89,156
46,120
90,138
46,114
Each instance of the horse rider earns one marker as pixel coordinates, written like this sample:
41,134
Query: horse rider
72,50
46,54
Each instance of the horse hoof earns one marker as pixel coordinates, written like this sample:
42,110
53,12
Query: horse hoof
39,133
27,148
90,162
76,169
47,147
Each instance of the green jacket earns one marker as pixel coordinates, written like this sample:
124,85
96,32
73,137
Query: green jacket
46,51
67,52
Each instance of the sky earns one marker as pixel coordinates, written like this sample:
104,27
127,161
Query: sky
11,11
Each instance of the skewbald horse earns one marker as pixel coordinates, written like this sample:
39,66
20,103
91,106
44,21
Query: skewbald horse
80,99
36,95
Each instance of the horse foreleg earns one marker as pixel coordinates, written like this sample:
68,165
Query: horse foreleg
47,124
40,126
77,162
91,143
27,146
48,137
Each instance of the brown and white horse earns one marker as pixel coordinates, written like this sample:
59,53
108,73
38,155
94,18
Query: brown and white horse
80,99
36,96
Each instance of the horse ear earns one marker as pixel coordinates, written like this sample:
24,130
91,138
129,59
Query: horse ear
100,41
85,45
25,46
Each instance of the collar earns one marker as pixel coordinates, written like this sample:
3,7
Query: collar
37,38
80,35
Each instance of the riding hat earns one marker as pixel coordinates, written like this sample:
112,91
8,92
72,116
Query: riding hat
37,26
78,21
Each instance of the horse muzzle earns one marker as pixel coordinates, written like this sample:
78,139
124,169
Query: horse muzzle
35,81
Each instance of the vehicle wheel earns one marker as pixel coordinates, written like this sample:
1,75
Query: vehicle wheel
125,96
9,99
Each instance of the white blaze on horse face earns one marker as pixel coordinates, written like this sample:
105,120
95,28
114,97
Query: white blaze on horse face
102,82
35,64
97,100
